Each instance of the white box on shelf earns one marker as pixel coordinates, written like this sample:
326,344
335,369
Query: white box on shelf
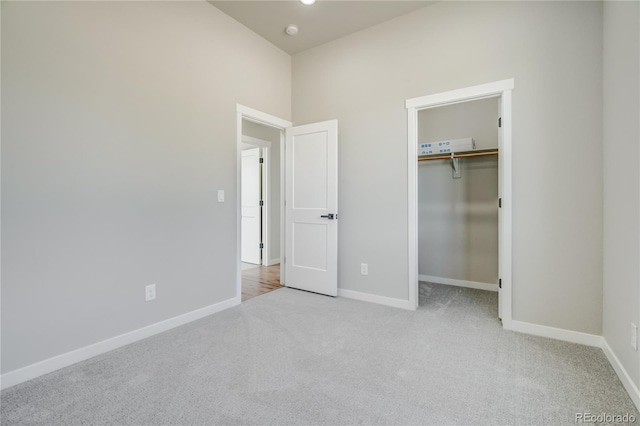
446,146
427,151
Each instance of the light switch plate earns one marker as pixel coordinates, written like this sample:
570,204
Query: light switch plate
221,195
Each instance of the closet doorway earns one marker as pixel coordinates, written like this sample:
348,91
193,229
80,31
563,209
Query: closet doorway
459,182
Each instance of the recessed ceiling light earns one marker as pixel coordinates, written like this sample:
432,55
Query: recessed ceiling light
307,2
291,30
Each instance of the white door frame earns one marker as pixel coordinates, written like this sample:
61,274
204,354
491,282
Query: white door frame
265,153
500,89
259,117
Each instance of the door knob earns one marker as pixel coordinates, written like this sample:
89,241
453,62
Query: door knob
330,216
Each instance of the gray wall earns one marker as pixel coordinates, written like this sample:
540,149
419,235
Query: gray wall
621,157
554,52
272,135
458,218
118,128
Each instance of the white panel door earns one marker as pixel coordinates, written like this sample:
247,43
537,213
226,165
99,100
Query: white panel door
311,229
250,205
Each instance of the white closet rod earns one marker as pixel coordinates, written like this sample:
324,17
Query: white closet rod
479,153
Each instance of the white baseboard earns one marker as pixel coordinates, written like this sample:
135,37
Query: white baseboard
272,262
624,377
554,333
373,298
459,283
64,360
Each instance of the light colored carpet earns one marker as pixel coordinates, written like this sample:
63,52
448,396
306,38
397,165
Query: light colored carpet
291,357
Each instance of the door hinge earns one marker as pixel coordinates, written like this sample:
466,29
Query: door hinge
261,160
500,283
261,203
261,245
499,203
500,122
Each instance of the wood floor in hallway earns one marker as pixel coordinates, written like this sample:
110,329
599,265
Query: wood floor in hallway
260,280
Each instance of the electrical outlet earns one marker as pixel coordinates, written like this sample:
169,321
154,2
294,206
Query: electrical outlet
150,292
634,336
364,269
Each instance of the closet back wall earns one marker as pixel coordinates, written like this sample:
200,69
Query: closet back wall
458,218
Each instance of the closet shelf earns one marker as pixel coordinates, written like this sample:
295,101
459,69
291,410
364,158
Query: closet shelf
460,154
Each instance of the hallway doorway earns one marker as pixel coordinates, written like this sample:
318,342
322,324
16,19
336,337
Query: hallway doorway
258,280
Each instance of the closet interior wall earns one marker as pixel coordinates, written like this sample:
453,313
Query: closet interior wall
458,218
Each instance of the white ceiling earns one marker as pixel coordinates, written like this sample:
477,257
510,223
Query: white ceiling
319,23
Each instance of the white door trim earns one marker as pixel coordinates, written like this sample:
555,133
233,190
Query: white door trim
266,170
501,89
250,114
262,117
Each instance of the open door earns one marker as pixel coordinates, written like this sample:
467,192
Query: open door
311,259
251,227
